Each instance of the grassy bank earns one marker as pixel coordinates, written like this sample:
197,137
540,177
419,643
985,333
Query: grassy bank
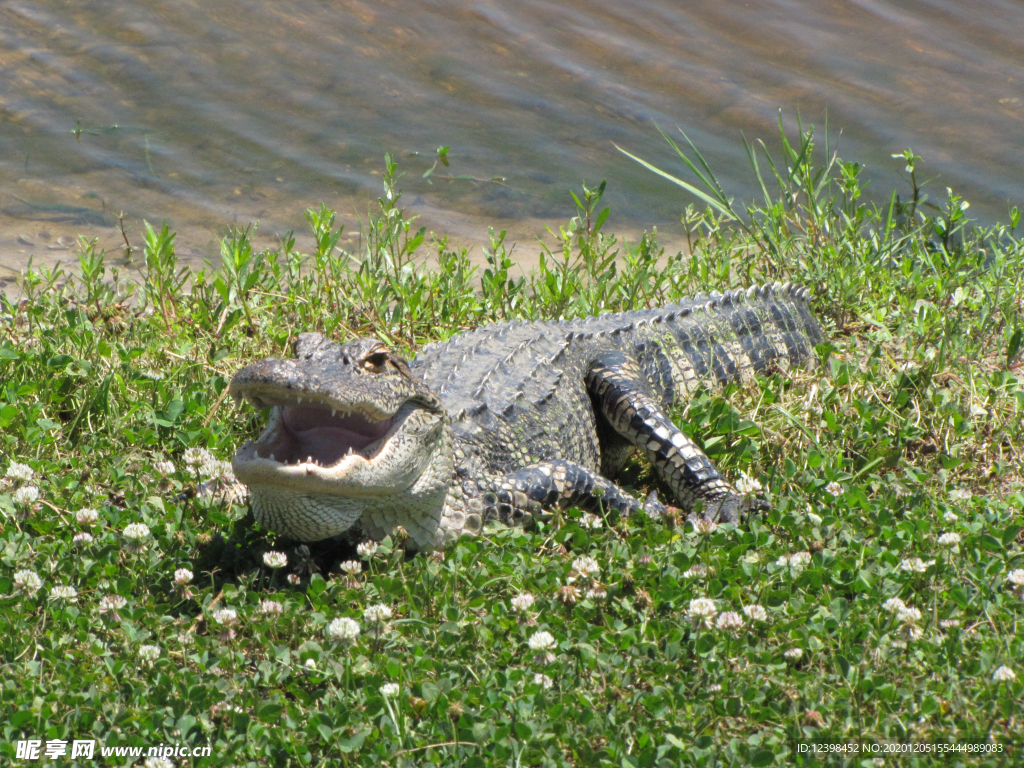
877,605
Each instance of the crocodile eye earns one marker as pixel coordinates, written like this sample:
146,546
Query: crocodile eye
375,362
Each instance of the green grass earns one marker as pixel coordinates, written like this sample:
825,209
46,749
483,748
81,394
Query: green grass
908,429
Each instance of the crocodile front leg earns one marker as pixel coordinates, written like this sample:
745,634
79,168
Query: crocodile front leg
620,391
556,483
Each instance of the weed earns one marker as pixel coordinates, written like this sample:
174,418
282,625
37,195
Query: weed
876,605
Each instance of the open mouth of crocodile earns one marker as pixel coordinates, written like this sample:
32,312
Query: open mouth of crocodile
319,447
317,434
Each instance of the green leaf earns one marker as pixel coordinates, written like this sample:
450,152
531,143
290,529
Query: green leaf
59,361
991,543
1014,346
761,757
716,204
394,667
269,712
706,643
20,718
675,741
958,596
843,664
355,743
317,584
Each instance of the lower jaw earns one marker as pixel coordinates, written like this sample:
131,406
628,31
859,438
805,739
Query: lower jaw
302,515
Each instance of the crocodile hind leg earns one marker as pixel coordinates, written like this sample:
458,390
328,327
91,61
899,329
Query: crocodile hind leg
524,493
622,396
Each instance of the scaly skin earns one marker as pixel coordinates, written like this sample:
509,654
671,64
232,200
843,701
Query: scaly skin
506,421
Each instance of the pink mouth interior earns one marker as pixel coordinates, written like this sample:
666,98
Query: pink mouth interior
310,431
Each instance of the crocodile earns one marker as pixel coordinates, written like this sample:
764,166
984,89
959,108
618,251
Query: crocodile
505,422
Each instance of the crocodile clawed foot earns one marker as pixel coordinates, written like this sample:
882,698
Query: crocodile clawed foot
653,507
731,508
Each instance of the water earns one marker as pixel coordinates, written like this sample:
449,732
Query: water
223,112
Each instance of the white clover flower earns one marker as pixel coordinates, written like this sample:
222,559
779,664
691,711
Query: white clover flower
215,468
949,539
22,472
1016,576
589,520
729,620
186,638
900,490
894,605
756,612
149,653
182,576
714,688
796,560
799,559
835,488
377,614
794,654
82,539
64,592
310,663
702,608
914,632
949,623
235,492
86,516
915,565
345,629
27,581
352,567
523,602
225,616
112,603
275,559
389,689
704,526
543,680
158,762
367,549
747,485
27,494
695,571
196,456
596,592
949,517
1003,675
908,614
814,519
542,641
136,531
294,580
271,608
164,467
586,566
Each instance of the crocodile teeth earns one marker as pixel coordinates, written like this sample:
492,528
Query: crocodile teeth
272,457
333,413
